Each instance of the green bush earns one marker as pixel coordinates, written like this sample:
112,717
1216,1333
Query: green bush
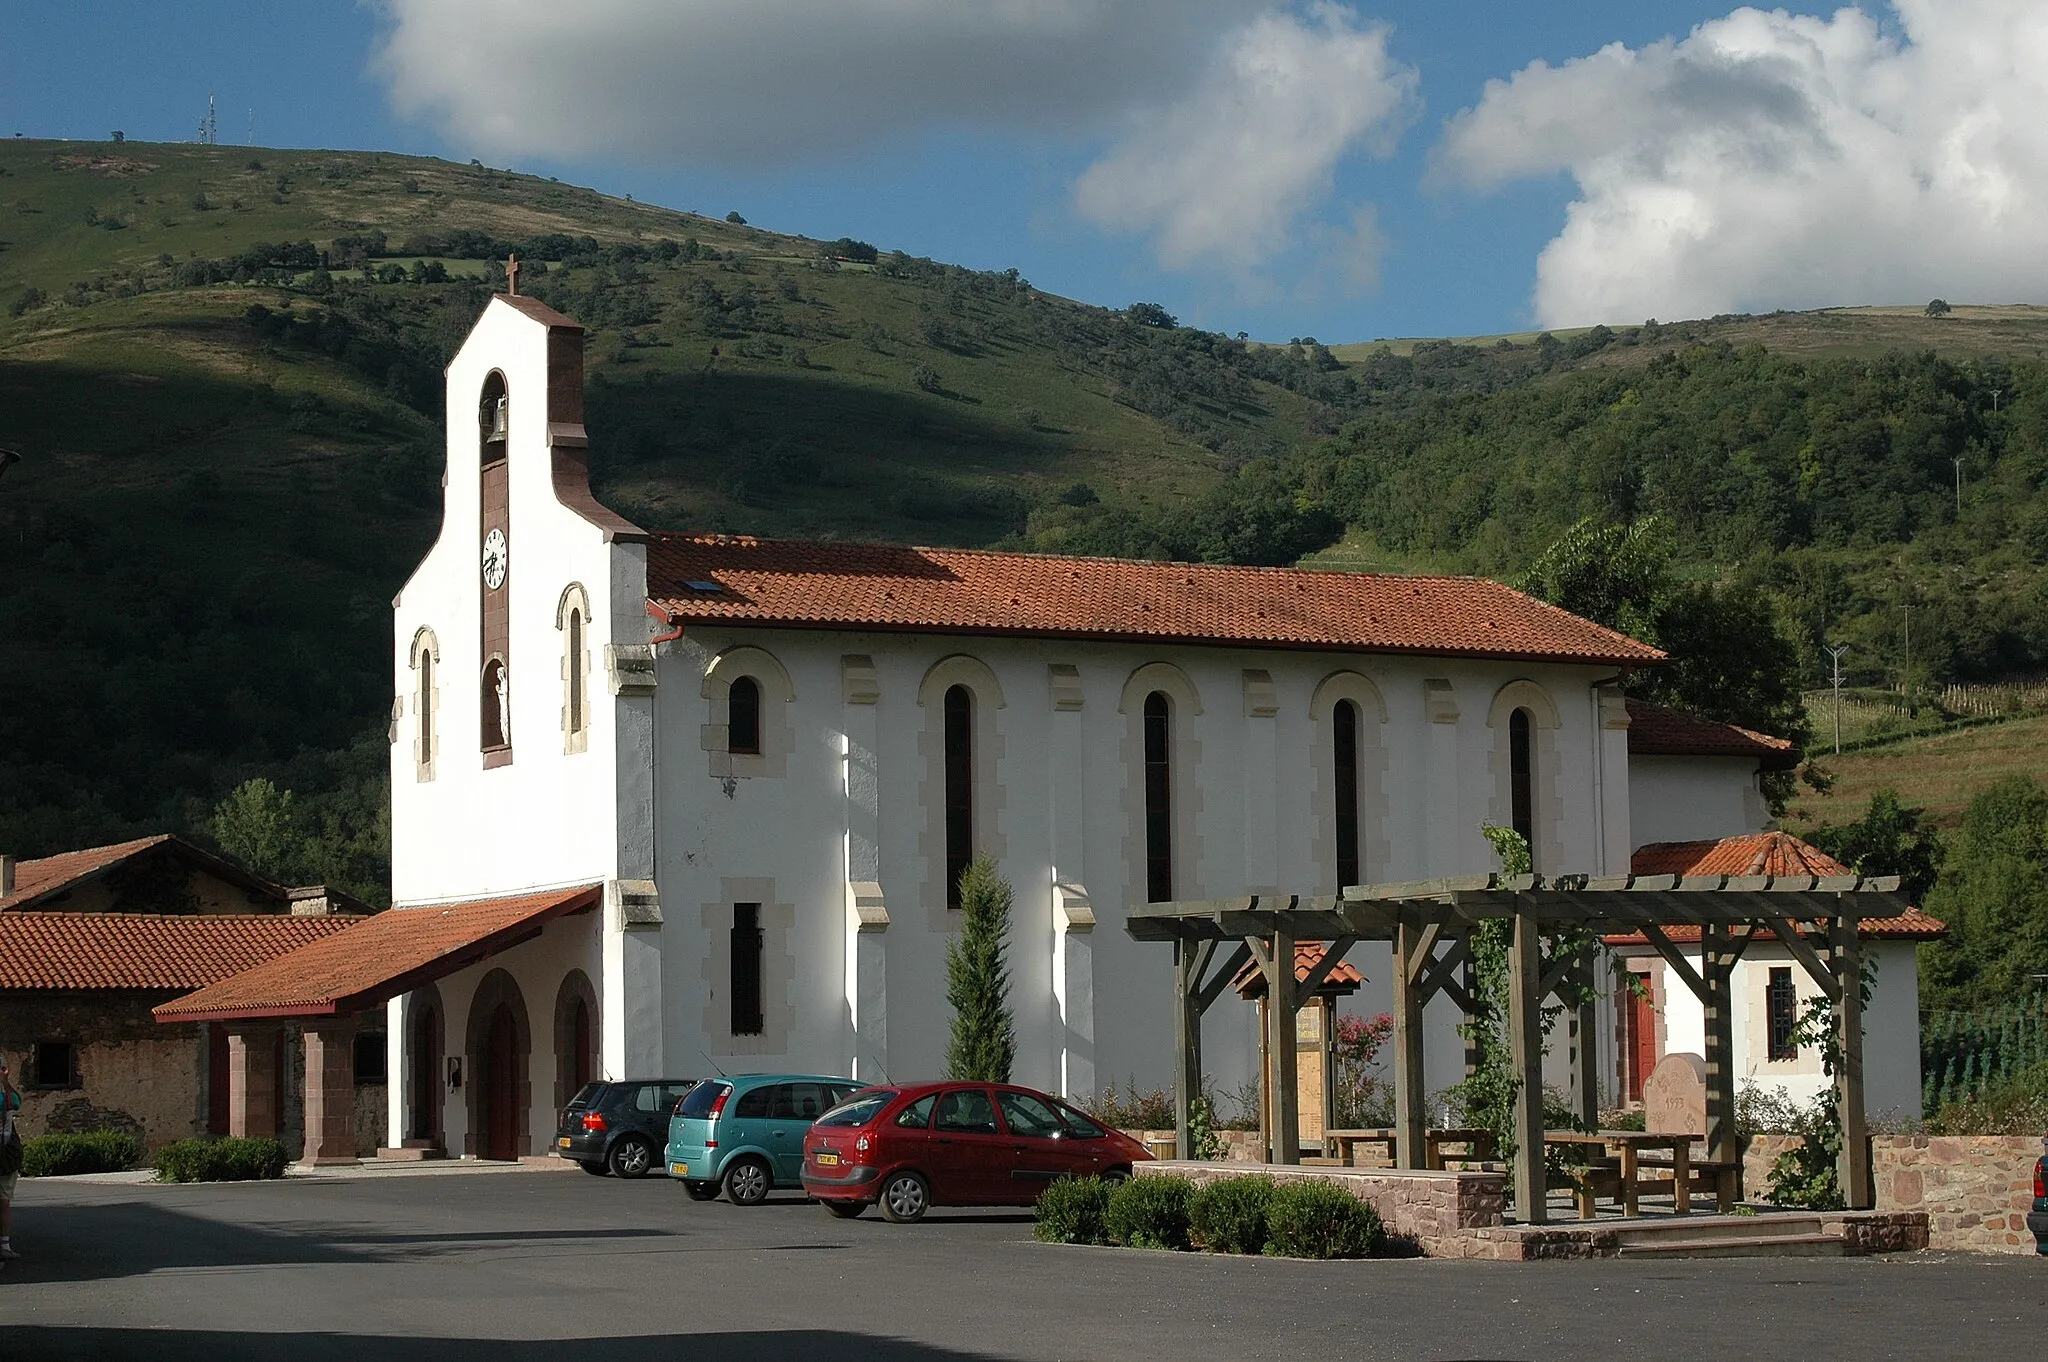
1150,1213
1313,1219
229,1160
1229,1214
1071,1212
101,1151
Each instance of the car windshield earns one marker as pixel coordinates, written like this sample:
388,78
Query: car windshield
862,1108
697,1102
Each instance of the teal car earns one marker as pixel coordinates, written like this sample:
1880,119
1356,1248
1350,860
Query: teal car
743,1134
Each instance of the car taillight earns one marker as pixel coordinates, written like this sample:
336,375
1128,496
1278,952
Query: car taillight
594,1121
718,1104
861,1145
2040,1179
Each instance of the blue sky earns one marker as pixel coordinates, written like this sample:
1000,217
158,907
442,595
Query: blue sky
1122,150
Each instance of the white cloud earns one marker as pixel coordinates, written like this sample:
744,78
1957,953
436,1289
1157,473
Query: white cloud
1775,160
1225,170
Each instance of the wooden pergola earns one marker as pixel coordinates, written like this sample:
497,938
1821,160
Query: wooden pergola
1428,923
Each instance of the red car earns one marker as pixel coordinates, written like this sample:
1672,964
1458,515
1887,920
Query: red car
920,1145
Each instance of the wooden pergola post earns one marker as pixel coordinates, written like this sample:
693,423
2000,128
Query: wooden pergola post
1846,956
1525,1035
1583,1030
1282,1078
1717,967
1410,1112
1188,959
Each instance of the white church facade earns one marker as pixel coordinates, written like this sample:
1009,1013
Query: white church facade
711,791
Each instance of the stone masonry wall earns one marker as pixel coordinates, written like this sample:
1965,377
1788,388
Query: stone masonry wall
1974,1189
1439,1211
133,1075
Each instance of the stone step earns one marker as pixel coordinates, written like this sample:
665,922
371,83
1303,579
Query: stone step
1751,1246
1718,1227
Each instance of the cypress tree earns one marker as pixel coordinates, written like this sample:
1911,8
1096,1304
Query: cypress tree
984,1039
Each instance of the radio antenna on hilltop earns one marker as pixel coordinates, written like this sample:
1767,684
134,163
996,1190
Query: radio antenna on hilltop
209,126
252,128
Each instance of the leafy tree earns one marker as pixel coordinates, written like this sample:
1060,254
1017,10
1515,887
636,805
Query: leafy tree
1939,308
984,1039
735,219
1153,315
1888,840
1993,893
258,825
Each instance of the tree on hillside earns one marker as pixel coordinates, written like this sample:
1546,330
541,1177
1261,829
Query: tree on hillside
984,1039
1939,308
1993,893
1887,840
258,825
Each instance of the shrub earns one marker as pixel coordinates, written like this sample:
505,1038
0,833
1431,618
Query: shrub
1071,1212
1313,1219
229,1160
1229,1214
101,1151
1149,1213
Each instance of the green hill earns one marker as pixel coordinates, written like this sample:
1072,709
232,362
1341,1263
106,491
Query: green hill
222,366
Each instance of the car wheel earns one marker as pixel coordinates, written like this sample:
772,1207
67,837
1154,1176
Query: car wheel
845,1210
700,1191
1116,1177
905,1198
594,1167
747,1183
631,1158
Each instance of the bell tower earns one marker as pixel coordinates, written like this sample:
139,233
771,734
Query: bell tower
494,534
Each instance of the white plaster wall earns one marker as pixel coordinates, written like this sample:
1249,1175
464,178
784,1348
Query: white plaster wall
1691,799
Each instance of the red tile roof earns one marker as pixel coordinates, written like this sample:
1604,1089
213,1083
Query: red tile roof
1762,853
46,876
1656,731
378,958
146,950
878,586
1342,978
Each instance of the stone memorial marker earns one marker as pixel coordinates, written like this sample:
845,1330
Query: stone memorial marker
1675,1096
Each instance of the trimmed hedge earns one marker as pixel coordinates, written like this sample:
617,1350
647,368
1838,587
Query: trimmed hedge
56,1156
1229,1214
1149,1213
1321,1220
229,1160
1071,1211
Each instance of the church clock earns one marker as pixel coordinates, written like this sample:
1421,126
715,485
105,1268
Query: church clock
494,559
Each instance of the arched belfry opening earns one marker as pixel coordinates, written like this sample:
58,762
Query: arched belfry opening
493,420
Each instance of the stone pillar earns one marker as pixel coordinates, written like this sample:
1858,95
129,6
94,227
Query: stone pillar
1073,913
252,1081
330,1092
867,912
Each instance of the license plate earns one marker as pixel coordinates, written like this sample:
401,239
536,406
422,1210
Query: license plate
680,1170
828,1160
563,1142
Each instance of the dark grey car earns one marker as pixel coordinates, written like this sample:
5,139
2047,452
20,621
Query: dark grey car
620,1127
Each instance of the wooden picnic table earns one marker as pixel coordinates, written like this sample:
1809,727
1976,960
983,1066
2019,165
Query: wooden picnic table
1479,1144
1627,1147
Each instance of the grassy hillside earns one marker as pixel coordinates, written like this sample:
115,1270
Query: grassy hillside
1938,774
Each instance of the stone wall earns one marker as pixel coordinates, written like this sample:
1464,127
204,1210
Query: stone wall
1974,1189
1439,1212
133,1075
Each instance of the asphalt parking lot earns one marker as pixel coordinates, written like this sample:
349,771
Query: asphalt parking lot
544,1267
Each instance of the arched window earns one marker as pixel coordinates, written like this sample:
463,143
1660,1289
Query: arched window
1344,731
743,717
1521,800
959,707
494,707
493,420
577,717
1158,798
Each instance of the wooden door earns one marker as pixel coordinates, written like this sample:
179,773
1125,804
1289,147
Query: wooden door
424,1056
216,1079
1642,1037
501,1087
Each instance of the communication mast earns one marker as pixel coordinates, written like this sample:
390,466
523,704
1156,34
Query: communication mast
209,126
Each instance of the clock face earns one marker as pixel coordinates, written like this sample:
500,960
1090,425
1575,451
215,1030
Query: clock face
495,558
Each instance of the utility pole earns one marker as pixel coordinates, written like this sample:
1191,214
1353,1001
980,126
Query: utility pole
1906,672
1958,461
1835,651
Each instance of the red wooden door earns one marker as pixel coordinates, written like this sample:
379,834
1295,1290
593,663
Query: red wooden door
501,1087
1642,1038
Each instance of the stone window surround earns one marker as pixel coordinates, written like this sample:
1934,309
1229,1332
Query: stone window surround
778,967
778,738
1375,853
426,702
575,718
990,797
1184,755
1547,811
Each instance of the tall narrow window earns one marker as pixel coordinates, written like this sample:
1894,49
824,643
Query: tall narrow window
1344,730
1782,1002
494,705
1158,799
743,716
1521,800
959,788
423,708
746,969
577,718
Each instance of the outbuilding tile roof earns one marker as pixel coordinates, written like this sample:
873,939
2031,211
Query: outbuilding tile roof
1762,853
1342,978
1658,731
707,578
46,876
147,950
378,958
